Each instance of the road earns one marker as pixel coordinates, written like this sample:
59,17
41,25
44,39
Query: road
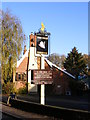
67,102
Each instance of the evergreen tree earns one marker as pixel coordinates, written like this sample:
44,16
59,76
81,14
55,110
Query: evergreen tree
12,37
75,63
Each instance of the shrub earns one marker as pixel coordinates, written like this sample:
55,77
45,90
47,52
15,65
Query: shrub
22,90
77,87
8,87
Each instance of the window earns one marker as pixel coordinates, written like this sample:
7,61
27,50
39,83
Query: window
16,77
31,74
22,76
19,76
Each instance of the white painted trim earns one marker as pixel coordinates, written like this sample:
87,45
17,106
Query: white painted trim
51,65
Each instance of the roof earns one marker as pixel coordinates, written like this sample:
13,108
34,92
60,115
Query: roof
23,57
22,64
53,65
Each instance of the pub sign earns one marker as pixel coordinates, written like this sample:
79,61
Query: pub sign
42,45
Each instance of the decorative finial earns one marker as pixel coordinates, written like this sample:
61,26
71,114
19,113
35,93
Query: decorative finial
43,27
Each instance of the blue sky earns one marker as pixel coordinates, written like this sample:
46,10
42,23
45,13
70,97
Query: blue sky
66,21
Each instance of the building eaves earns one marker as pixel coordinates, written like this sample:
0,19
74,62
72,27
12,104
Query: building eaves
53,65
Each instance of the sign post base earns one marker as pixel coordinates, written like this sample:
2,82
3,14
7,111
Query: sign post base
43,94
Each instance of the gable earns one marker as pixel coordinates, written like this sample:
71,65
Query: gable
23,66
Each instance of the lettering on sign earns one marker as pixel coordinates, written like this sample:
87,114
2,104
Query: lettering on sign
42,75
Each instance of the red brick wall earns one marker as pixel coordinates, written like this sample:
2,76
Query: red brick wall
20,84
60,80
23,66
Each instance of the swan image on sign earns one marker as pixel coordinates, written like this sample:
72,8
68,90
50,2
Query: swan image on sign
42,44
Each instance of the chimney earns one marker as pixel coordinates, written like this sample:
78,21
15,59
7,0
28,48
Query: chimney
32,44
25,49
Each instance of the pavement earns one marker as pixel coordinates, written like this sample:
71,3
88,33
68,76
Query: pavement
36,97
19,114
73,102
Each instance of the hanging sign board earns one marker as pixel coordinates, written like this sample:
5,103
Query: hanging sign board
42,45
42,76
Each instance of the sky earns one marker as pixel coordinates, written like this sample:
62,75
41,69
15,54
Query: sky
66,21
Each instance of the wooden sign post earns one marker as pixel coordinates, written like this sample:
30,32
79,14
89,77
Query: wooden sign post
42,49
42,85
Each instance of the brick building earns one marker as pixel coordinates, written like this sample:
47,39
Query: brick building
29,62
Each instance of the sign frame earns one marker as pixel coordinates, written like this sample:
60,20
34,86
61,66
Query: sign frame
43,40
41,79
45,35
